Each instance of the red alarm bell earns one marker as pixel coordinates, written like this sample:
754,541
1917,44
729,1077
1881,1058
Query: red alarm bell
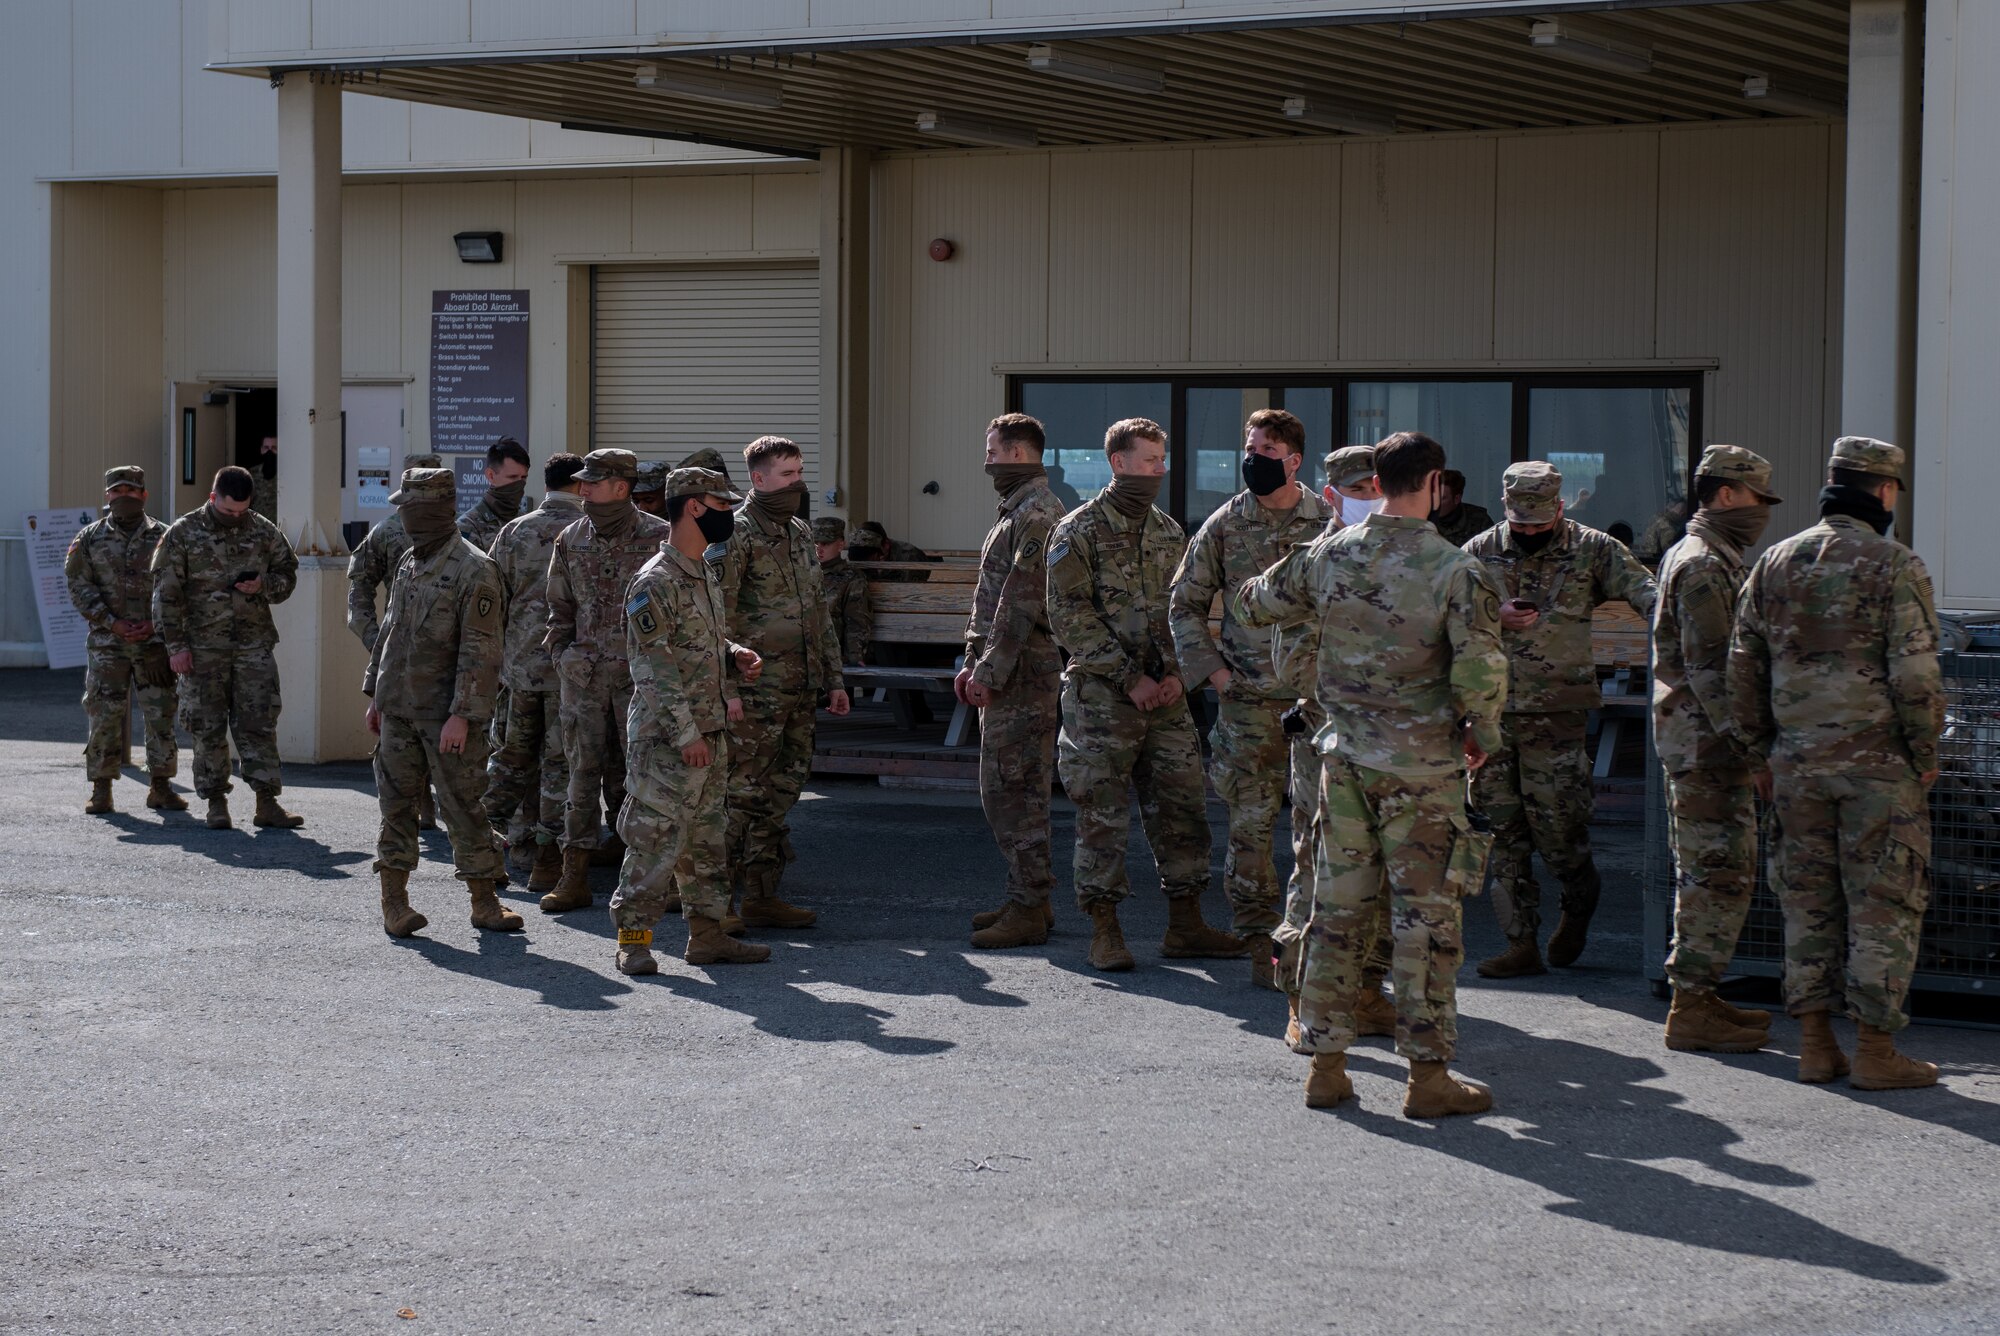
942,250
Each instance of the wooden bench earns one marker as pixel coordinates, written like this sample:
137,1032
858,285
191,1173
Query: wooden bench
932,611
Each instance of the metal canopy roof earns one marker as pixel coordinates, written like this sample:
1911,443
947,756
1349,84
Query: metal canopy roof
1444,75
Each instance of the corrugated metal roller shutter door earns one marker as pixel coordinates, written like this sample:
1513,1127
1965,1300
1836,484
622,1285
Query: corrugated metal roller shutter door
692,357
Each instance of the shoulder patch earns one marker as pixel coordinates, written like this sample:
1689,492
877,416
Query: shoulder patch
646,618
1030,549
1060,550
483,607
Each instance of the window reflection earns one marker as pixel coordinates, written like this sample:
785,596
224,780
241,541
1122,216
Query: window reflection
1075,414
1623,454
1472,420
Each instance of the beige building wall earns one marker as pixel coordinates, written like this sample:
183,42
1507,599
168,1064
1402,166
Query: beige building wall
1713,246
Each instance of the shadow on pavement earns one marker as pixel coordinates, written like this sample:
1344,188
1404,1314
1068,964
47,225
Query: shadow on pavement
1578,1122
504,957
246,846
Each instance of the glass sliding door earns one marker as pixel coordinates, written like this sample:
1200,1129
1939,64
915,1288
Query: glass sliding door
1075,414
1473,420
1213,449
1623,452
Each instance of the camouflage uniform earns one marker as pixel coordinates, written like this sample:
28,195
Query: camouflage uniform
233,691
438,655
1008,650
1834,675
1248,747
1711,801
771,587
649,488
1409,646
483,523
683,668
373,563
532,748
875,544
846,594
109,571
1109,579
1463,524
588,574
1537,786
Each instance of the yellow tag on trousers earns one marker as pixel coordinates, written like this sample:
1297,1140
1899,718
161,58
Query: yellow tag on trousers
635,937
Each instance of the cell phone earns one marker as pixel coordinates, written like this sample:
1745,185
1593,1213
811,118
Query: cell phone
1519,605
244,577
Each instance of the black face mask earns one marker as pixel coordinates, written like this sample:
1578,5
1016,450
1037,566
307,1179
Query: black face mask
1262,474
716,525
1532,543
505,500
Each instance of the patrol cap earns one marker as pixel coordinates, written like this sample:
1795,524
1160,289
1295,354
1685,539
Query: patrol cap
707,458
829,529
652,476
1864,454
686,481
1351,465
426,485
124,475
874,531
603,465
1743,468
1532,491
424,461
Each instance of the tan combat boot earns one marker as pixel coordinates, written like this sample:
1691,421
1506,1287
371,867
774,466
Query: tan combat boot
986,918
1107,940
763,909
1878,1066
218,813
1374,1013
1820,1058
100,798
708,944
547,869
572,889
1434,1092
1695,1024
1327,1083
1520,958
1292,1021
398,919
487,911
162,798
1263,969
1566,943
1189,938
1750,1017
269,813
1018,925
635,955
427,816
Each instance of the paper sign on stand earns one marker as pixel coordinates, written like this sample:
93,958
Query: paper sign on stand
64,631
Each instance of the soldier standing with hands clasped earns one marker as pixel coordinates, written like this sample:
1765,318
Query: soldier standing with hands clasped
432,683
1712,781
216,573
1013,677
683,697
1412,697
109,571
1834,676
1125,720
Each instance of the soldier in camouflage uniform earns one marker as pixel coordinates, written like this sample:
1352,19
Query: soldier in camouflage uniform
1249,751
530,761
109,571
373,563
707,458
431,683
1412,677
649,489
1456,522
871,542
216,573
1125,719
771,585
506,481
1711,802
591,563
1834,676
846,588
684,693
1537,789
1013,675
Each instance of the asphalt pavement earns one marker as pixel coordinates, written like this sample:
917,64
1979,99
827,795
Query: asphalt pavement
231,1104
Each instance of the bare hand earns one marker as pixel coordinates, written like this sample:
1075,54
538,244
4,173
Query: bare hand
1170,690
183,662
451,738
253,586
749,664
697,754
129,629
959,682
978,694
1761,782
733,708
1518,619
1929,777
1145,693
374,718
1475,755
1220,680
837,702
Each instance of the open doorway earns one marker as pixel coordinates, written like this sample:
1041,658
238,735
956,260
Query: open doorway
254,445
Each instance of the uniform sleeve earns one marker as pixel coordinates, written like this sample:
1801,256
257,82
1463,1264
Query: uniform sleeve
730,570
653,614
1073,614
1618,575
476,687
373,672
561,602
1750,718
170,592
1282,595
281,567
820,610
1195,585
1478,660
858,617
1703,607
366,569
83,590
1916,679
1023,603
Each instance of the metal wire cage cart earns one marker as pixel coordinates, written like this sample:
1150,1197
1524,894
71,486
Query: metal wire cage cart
1960,951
